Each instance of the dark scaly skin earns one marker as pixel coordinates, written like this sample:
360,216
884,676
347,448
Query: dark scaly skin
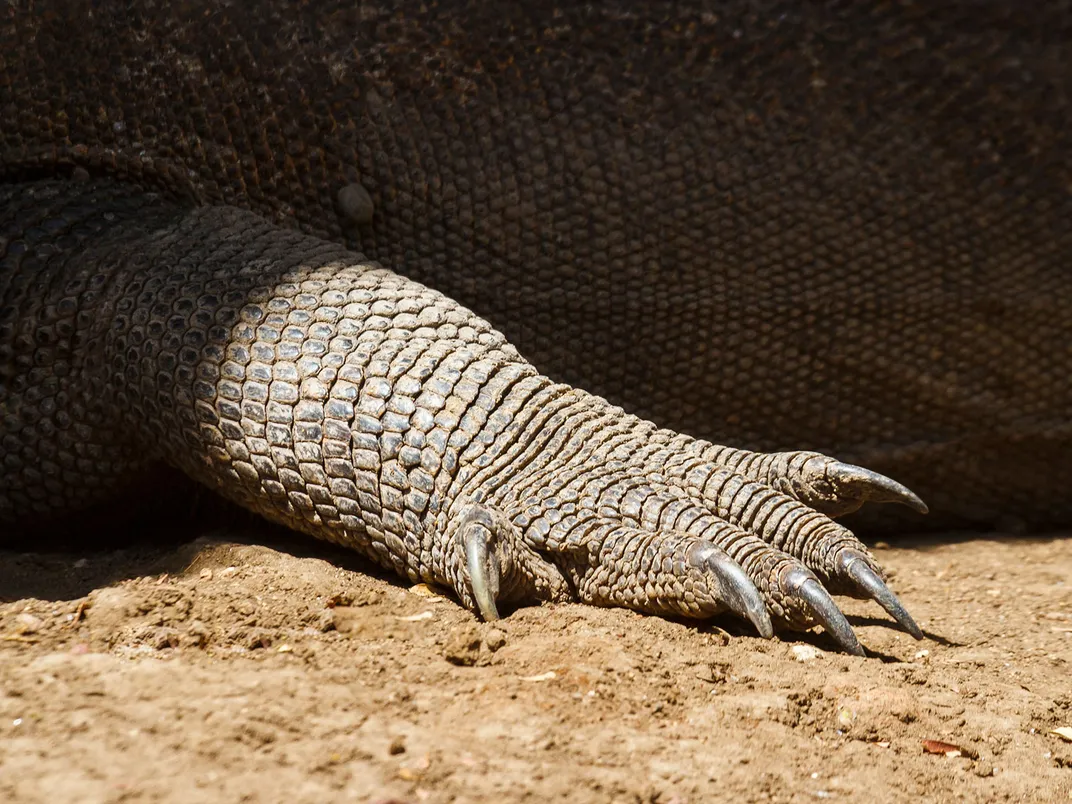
841,227
768,225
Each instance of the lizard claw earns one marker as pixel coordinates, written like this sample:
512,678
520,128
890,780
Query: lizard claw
804,586
854,566
736,589
856,482
481,561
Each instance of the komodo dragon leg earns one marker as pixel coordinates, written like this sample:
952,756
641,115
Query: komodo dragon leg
337,398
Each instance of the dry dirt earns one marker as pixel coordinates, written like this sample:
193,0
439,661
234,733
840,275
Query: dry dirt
225,670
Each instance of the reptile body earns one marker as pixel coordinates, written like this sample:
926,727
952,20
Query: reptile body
837,228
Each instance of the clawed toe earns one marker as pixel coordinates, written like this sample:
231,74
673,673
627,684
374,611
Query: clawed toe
481,562
490,564
805,587
853,565
836,488
736,589
825,484
861,485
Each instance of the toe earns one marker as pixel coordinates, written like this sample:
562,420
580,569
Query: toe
735,588
802,585
478,538
490,563
823,483
667,573
856,570
836,488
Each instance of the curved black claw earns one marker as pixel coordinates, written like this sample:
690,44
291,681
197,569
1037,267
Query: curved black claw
736,589
878,488
854,566
804,586
480,561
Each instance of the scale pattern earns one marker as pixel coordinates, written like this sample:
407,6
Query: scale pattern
328,394
841,227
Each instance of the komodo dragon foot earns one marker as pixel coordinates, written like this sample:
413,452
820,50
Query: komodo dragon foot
344,401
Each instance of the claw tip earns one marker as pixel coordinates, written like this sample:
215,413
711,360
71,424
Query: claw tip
879,488
738,591
764,627
823,608
868,580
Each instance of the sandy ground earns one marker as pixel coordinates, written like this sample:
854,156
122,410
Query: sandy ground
225,670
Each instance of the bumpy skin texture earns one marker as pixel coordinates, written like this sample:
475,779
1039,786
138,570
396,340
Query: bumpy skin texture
839,227
343,400
842,227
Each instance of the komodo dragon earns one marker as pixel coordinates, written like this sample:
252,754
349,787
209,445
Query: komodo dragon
843,227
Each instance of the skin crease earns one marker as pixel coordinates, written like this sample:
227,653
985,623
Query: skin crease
749,226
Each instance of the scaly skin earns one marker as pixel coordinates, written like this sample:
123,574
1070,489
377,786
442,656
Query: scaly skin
339,399
841,227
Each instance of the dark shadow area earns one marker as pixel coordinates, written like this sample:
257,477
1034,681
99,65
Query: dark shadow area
857,621
163,534
931,541
735,627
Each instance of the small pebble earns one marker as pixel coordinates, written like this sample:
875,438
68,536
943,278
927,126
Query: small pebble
494,639
250,638
196,636
161,638
325,621
548,676
416,618
414,769
26,623
425,591
463,645
397,746
805,653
